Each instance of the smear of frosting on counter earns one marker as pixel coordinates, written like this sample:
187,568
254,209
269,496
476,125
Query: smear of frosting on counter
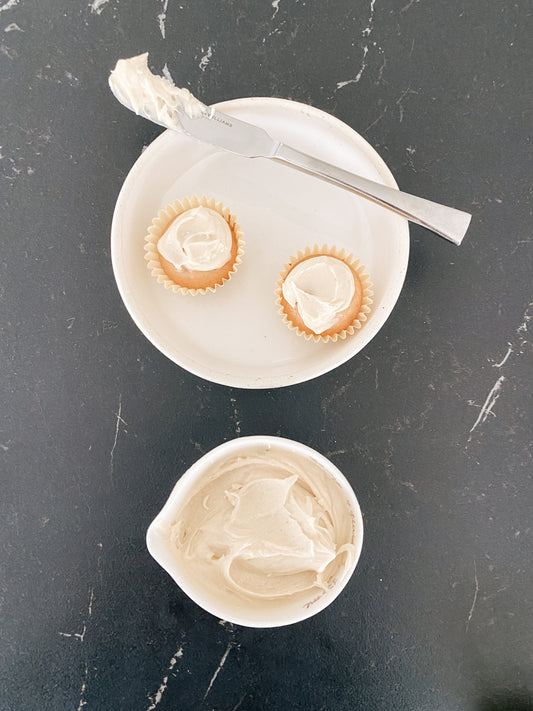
152,96
265,527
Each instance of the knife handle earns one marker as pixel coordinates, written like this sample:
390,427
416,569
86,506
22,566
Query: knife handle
445,221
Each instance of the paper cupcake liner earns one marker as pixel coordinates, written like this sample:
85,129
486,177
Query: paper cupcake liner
359,272
162,221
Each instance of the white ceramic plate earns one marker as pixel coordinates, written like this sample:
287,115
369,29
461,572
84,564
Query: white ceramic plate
235,335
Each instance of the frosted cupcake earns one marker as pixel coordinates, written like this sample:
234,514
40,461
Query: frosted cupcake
193,245
324,294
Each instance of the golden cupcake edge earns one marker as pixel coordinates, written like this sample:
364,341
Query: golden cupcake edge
162,221
359,273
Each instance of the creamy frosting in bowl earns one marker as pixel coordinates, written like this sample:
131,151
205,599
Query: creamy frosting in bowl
261,531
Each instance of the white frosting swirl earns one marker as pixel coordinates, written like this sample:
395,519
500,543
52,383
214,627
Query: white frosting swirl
151,96
320,287
199,239
264,527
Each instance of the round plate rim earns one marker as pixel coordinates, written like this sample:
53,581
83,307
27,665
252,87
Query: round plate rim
276,381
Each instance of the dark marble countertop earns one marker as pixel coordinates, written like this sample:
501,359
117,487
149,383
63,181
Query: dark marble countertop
431,422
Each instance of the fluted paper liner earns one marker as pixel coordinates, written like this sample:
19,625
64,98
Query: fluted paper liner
160,223
358,271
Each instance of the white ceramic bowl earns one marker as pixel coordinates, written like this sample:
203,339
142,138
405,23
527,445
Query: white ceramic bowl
288,611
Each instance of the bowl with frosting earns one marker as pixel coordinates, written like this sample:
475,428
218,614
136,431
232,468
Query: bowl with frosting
261,531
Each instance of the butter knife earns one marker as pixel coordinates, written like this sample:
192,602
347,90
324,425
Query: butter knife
158,100
245,139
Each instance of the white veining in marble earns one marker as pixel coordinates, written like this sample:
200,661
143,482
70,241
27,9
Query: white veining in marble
330,400
383,64
8,52
409,5
161,18
489,403
81,635
365,33
117,427
220,665
523,328
476,591
156,698
514,347
97,6
355,80
235,417
204,61
335,452
239,703
368,30
82,702
399,101
506,356
8,5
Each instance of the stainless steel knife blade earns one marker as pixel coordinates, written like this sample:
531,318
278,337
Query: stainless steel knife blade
230,133
159,100
245,139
